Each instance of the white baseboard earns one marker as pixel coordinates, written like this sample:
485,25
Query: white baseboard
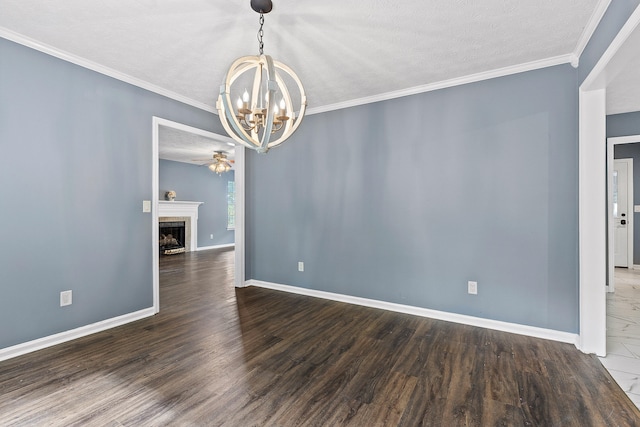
206,248
636,267
51,340
513,328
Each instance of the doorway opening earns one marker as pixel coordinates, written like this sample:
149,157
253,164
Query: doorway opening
620,204
592,205
239,183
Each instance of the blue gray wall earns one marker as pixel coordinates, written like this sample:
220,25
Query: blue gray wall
75,167
407,200
402,201
199,184
625,125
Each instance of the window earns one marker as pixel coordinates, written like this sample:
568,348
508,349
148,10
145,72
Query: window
231,205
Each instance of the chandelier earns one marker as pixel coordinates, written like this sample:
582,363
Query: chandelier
270,101
220,164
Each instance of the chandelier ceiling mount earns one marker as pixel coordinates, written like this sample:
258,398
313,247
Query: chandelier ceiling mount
262,6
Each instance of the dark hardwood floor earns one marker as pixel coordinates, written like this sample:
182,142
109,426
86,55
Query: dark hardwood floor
216,355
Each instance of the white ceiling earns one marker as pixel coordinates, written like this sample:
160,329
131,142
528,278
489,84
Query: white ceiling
623,77
187,147
342,50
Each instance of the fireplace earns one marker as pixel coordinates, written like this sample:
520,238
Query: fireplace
181,211
172,237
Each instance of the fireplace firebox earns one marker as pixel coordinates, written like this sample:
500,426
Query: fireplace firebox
172,237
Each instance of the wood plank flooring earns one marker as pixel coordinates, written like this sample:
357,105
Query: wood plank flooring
218,356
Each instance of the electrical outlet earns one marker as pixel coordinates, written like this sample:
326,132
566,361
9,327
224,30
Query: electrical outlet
300,266
211,236
472,287
66,298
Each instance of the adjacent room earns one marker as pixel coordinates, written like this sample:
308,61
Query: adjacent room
419,213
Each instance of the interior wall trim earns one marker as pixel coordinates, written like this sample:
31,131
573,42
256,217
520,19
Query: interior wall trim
592,199
206,248
62,337
497,325
597,78
473,78
611,143
591,26
85,63
491,74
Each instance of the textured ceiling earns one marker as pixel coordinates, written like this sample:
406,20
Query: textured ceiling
623,97
623,77
186,147
342,50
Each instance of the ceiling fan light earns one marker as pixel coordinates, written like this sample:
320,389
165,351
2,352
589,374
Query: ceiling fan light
220,164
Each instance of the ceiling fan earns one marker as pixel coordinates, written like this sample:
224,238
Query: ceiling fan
219,164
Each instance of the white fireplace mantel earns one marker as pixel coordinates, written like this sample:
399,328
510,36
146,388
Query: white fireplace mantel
180,208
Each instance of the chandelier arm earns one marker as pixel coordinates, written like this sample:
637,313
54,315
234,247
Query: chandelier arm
287,102
237,69
225,109
236,135
277,126
230,121
246,125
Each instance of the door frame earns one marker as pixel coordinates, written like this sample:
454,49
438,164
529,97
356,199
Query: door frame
592,199
611,143
239,168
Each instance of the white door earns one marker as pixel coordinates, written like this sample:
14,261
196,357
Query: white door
621,213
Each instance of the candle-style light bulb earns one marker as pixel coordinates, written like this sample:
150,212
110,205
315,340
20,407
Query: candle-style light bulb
283,110
239,103
243,104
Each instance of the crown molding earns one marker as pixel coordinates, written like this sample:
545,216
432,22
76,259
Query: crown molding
472,78
5,33
597,78
591,26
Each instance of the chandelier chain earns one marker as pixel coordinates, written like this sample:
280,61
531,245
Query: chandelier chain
260,34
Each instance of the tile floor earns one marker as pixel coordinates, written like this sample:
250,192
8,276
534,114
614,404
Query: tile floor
623,332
